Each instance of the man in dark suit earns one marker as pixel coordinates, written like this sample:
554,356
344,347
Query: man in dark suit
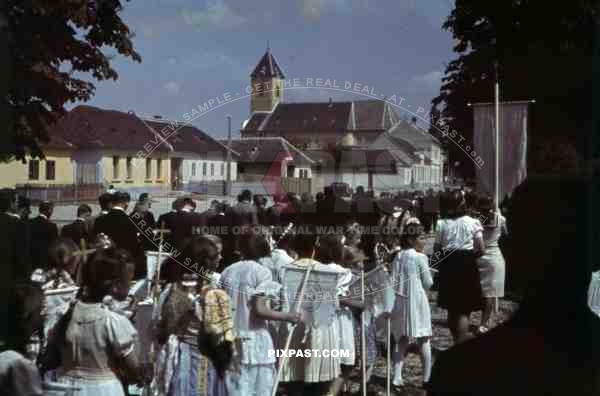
79,229
165,220
14,244
244,213
117,225
106,201
144,219
186,223
43,234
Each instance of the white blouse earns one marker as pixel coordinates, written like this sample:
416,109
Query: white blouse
458,234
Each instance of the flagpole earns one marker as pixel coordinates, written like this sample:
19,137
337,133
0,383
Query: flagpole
363,340
497,138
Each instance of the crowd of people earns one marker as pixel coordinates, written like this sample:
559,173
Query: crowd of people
214,326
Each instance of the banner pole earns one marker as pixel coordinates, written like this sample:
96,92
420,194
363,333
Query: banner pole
363,335
388,387
288,339
497,139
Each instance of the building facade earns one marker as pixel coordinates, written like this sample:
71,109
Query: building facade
362,142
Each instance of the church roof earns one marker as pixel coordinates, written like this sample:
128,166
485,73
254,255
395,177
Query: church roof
409,132
266,150
372,115
267,67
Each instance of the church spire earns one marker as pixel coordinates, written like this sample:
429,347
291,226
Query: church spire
267,67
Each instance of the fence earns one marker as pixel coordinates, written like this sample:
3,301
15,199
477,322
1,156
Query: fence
60,192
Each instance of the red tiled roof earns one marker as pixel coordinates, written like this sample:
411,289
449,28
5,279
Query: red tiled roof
188,138
87,127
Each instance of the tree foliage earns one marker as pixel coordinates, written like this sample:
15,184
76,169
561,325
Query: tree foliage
544,51
44,46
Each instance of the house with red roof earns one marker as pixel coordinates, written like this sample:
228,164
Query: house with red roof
93,146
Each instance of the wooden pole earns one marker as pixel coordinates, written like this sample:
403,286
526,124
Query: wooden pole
363,339
388,387
288,339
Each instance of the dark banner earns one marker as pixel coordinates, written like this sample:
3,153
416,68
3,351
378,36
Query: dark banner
513,146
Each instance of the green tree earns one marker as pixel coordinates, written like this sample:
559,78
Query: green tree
44,45
544,51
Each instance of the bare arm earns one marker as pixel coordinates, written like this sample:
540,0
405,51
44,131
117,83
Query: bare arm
264,312
478,245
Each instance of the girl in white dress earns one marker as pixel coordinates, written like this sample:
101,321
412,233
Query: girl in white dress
492,268
331,252
314,374
94,342
249,285
411,317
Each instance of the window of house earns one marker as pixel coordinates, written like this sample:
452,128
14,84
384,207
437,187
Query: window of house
204,169
319,169
222,169
148,168
212,169
115,168
159,168
34,169
128,168
277,92
50,170
193,169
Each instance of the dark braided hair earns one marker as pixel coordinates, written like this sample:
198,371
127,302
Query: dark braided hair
106,273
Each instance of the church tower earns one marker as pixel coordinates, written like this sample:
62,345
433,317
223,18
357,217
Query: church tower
267,84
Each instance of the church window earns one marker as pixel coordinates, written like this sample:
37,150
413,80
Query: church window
212,169
193,169
34,169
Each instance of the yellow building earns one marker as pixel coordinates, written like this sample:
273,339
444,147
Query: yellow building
96,148
55,169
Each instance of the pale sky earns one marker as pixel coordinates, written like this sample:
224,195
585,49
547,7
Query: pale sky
196,50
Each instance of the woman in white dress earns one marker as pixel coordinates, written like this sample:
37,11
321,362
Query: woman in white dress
411,317
93,341
491,265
